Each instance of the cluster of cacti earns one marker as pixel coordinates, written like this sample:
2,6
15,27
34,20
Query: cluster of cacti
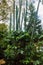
19,16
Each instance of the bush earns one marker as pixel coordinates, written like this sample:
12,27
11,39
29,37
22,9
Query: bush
17,49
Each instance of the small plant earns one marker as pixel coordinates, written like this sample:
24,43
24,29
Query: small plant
9,54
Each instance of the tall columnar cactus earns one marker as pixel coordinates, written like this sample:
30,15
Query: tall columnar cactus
22,19
21,22
20,16
20,7
10,26
25,17
13,15
16,18
38,5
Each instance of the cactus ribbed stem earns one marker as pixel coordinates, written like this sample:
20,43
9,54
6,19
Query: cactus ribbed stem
20,7
16,18
25,19
10,22
13,15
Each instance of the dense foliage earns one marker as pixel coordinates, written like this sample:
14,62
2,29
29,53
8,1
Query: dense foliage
17,49
23,47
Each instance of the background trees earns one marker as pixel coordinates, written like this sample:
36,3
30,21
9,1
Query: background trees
3,9
34,24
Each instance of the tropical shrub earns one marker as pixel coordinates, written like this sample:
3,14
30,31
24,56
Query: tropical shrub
3,33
